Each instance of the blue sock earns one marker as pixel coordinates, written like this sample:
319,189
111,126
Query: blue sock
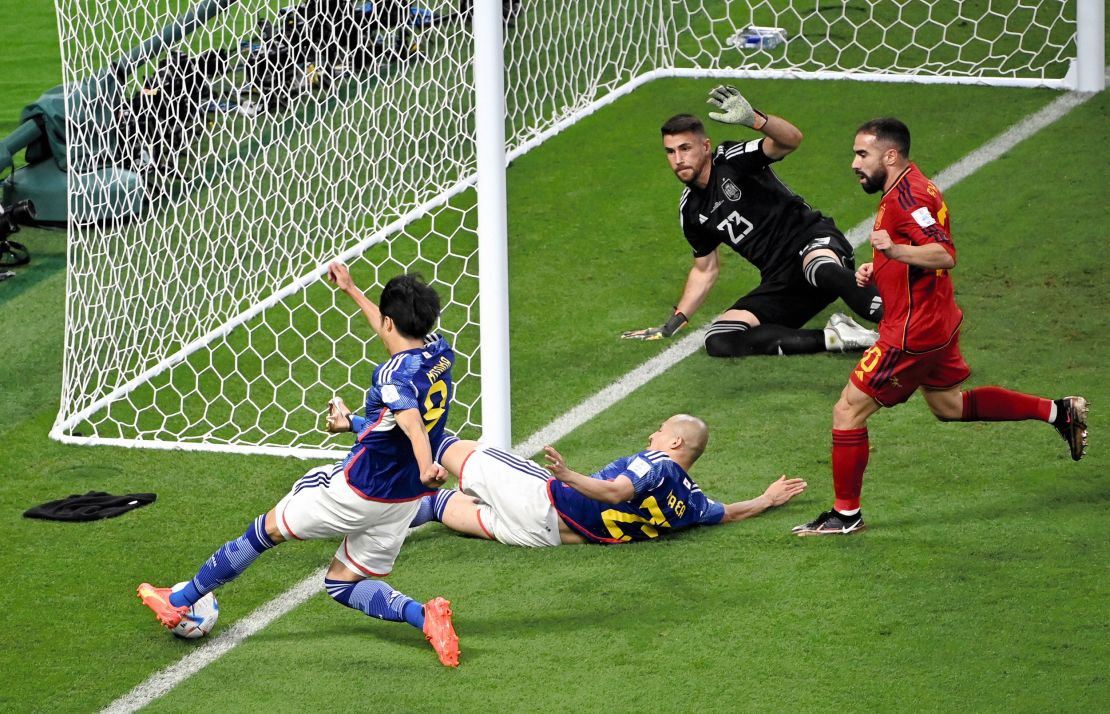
226,564
377,599
432,507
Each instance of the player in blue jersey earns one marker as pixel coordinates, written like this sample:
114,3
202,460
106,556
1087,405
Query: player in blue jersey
638,497
370,496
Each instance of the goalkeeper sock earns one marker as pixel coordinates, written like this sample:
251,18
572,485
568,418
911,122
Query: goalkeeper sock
998,404
734,338
432,507
826,273
849,461
377,599
226,564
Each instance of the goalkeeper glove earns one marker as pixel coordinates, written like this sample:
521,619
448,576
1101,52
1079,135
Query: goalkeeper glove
736,109
671,326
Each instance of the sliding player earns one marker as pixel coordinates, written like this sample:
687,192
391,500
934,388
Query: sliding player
733,198
639,497
371,496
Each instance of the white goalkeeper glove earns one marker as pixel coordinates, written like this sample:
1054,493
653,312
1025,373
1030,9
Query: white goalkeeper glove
735,109
673,325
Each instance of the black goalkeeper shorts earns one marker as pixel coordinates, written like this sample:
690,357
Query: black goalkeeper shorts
784,297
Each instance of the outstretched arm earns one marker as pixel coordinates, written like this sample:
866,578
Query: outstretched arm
782,136
341,278
618,490
699,282
701,279
778,493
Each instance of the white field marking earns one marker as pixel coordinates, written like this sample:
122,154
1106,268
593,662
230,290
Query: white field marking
163,681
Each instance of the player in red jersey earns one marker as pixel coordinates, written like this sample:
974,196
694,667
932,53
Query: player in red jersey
919,334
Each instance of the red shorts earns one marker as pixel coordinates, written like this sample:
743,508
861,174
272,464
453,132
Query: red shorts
889,376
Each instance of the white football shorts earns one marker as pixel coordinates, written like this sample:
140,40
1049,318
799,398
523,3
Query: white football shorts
322,504
514,507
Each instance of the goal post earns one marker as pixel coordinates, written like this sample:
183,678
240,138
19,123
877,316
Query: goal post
278,136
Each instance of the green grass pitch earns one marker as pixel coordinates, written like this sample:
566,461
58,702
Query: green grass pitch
981,585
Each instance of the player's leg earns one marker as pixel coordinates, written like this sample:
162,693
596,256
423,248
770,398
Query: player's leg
371,553
228,562
377,599
884,376
768,321
828,264
1068,415
739,333
443,506
373,597
510,501
850,452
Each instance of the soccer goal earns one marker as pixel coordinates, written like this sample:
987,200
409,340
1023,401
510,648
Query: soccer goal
261,140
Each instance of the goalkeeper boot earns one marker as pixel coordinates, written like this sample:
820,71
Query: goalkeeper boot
439,631
1071,422
843,334
158,600
831,522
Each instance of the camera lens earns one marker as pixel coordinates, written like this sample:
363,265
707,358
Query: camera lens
23,211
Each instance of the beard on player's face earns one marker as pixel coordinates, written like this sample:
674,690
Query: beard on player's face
692,168
872,182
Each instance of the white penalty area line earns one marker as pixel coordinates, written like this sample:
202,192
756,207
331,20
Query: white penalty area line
165,680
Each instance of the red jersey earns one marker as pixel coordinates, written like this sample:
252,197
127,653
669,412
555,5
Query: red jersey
919,311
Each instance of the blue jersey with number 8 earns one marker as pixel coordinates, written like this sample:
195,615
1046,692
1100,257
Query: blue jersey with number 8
382,466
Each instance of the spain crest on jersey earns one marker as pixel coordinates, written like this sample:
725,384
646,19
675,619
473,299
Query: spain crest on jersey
732,191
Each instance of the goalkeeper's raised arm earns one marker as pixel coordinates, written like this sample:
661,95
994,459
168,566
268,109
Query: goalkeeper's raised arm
782,136
733,198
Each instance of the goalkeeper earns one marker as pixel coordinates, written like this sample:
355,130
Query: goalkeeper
733,198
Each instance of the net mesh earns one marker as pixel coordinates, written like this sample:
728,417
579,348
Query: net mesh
212,177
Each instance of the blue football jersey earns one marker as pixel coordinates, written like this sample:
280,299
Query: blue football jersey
666,499
381,466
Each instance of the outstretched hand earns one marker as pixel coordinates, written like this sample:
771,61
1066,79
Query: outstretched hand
735,109
673,324
340,276
647,334
556,464
784,489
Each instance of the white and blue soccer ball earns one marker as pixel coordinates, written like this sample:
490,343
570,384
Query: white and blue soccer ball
200,619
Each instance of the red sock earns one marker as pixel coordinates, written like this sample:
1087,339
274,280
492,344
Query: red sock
849,459
998,404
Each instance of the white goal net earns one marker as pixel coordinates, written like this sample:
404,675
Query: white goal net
216,170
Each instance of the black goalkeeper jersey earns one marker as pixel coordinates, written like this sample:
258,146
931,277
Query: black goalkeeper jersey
746,207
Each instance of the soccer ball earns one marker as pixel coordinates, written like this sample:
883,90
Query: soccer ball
200,619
